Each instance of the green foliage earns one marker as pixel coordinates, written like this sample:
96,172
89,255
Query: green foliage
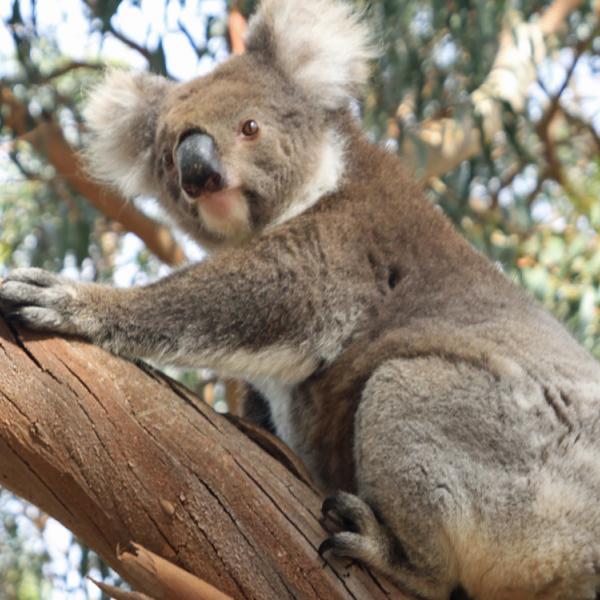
22,557
42,219
434,52
38,227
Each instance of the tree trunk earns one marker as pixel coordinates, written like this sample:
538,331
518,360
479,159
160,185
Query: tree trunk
118,452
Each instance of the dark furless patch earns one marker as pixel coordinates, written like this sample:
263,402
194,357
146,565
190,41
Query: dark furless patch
459,594
394,277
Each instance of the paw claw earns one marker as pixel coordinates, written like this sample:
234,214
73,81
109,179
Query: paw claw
326,546
328,506
348,512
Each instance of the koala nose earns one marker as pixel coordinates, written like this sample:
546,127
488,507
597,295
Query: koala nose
198,164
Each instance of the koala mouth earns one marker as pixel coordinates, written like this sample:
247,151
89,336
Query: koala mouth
213,184
223,213
220,203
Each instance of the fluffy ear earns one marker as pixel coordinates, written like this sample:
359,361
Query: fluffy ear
321,45
121,116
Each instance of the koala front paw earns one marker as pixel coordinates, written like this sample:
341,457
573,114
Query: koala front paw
40,300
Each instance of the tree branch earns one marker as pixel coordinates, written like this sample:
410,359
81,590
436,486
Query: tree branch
582,124
71,66
120,453
130,43
556,15
162,579
544,127
96,8
447,142
47,137
39,78
237,27
581,47
190,38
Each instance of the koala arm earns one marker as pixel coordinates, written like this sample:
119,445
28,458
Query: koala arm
252,313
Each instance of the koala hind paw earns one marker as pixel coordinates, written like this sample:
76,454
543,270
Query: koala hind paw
362,537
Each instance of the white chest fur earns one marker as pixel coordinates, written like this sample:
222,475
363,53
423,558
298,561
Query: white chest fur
279,397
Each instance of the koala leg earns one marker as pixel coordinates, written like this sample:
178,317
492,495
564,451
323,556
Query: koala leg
415,474
406,483
451,492
362,536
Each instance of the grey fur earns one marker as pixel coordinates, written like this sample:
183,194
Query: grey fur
399,363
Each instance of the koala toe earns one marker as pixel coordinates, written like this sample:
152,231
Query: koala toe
35,276
356,546
15,294
35,317
364,539
348,512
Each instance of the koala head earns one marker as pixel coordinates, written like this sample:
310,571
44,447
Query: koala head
253,143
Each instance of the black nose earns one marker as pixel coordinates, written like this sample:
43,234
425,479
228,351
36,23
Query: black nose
198,164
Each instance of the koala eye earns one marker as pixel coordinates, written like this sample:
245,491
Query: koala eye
250,128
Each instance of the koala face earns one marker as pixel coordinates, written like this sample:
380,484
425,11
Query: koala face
253,143
232,156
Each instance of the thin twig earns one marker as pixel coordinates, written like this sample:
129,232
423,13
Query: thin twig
120,36
60,71
582,124
130,43
508,178
199,52
554,168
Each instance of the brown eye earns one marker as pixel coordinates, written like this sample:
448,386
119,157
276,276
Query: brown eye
250,128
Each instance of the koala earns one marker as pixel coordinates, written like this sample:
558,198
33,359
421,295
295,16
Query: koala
454,422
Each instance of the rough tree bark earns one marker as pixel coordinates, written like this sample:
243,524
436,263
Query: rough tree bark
118,452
